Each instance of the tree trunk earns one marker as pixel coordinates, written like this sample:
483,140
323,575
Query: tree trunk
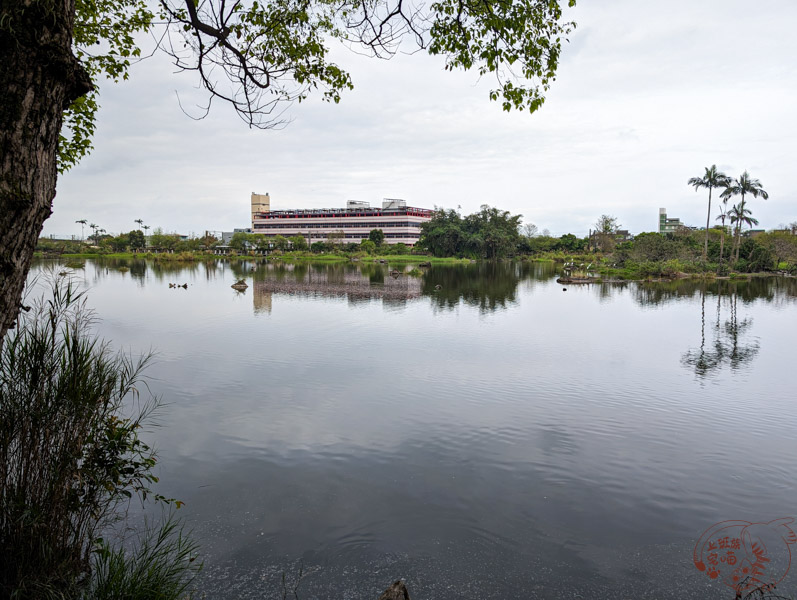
739,229
708,220
39,79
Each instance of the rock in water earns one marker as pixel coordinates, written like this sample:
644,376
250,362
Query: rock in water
397,591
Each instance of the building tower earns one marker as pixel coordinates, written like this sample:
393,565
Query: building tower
668,224
261,203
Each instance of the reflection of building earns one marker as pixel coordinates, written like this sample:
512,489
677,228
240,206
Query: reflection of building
400,223
261,298
668,225
351,284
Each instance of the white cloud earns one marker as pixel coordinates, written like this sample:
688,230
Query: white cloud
647,96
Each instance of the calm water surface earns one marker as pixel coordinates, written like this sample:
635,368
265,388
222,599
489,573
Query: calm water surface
496,437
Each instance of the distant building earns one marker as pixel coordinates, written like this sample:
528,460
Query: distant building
226,236
668,225
400,223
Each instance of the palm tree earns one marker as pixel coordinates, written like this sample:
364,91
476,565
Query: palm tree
94,228
721,217
741,186
140,222
711,179
145,228
82,223
741,216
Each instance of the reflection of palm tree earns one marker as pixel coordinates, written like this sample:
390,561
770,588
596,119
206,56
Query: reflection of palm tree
82,223
728,346
703,361
711,179
740,354
739,187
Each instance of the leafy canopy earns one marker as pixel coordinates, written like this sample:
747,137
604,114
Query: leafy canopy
744,185
712,178
260,55
489,233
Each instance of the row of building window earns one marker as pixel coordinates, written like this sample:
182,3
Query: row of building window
336,225
339,215
357,236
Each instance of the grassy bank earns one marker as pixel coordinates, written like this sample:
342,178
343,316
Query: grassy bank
274,257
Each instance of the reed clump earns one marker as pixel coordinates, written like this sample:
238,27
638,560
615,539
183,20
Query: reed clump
71,412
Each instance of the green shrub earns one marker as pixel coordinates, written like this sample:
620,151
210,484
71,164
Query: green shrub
760,259
672,267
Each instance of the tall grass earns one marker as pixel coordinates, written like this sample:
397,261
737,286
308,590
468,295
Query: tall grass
161,565
71,411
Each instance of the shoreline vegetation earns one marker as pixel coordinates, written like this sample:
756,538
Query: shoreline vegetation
647,257
608,253
299,256
597,268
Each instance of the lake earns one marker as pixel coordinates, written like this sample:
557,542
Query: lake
472,429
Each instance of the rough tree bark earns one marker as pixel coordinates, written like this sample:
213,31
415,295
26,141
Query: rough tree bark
39,78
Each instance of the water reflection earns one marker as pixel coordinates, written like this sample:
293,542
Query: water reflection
489,286
355,283
730,343
554,449
725,336
780,290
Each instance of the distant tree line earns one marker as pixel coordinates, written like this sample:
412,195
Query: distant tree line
492,233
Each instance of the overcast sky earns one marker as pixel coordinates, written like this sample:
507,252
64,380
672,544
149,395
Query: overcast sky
648,94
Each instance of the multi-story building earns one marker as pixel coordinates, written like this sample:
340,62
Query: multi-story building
400,223
668,225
